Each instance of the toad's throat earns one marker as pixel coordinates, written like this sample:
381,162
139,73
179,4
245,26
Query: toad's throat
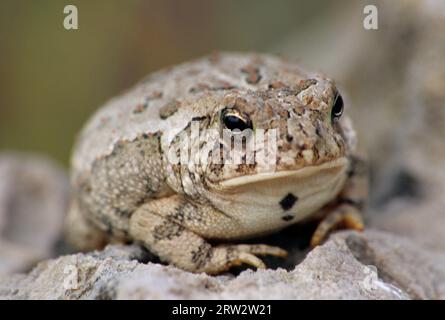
267,202
320,172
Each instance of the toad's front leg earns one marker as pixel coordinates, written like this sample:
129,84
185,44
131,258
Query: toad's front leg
173,229
347,210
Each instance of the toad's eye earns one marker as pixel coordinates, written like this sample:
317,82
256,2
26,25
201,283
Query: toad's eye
337,109
234,121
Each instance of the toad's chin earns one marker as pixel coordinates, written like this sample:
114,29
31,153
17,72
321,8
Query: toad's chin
263,203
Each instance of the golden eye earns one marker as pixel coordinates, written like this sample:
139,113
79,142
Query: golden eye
337,108
234,121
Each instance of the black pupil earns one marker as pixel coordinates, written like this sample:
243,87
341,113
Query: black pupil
234,122
337,109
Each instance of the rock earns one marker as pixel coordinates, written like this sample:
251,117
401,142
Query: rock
420,148
421,221
33,199
351,265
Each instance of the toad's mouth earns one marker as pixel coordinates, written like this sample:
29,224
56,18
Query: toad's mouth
326,171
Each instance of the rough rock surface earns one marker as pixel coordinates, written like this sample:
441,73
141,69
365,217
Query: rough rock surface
421,222
33,198
372,265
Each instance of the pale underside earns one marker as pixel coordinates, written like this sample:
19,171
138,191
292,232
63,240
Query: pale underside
255,200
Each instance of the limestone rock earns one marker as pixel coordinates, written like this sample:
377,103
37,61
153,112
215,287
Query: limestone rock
372,265
33,198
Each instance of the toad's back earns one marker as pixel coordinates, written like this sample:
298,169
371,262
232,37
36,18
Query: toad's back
163,101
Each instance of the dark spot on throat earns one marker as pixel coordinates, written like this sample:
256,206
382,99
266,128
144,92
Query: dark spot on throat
288,201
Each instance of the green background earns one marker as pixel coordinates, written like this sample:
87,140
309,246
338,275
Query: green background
52,79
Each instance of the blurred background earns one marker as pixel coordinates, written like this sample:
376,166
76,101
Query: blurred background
51,80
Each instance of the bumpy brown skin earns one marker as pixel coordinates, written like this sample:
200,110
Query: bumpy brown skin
125,187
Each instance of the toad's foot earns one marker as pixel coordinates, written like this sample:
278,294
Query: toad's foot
226,256
347,211
170,234
345,215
